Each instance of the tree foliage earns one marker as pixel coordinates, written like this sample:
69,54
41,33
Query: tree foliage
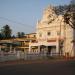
68,12
6,31
60,9
69,15
20,34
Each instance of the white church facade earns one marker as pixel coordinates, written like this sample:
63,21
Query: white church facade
53,35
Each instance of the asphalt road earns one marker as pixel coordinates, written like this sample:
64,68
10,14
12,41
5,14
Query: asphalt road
40,68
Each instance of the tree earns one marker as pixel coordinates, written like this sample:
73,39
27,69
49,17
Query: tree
6,31
69,18
20,34
72,2
60,9
68,12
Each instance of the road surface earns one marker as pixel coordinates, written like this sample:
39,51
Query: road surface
40,68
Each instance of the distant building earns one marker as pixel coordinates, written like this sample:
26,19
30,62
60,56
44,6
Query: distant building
53,34
21,44
24,41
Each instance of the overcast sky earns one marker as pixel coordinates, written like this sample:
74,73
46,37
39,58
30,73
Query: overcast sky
22,15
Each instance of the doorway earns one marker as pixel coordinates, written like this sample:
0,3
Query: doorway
51,50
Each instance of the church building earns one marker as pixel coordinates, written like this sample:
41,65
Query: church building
53,35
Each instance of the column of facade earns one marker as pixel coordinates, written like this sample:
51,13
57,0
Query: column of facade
46,51
38,49
57,46
29,49
25,54
10,48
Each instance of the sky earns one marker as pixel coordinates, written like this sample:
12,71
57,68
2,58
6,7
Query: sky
22,15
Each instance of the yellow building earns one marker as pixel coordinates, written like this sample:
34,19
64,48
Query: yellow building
53,34
21,44
24,42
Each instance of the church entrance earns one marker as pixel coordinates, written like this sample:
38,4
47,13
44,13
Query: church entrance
51,50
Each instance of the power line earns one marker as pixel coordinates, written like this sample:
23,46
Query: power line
16,22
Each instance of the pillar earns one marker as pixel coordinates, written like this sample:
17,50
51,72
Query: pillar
38,49
29,49
57,46
10,48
